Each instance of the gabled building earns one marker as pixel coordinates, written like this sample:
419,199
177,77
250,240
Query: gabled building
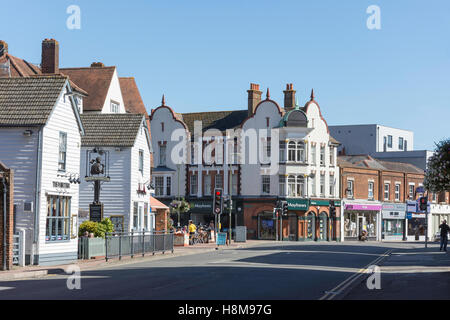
41,130
308,185
126,140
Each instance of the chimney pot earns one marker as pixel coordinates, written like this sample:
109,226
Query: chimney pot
50,56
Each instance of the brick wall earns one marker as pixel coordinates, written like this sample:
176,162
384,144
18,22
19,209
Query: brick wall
8,175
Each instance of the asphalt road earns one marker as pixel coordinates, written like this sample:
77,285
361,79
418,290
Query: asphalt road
278,271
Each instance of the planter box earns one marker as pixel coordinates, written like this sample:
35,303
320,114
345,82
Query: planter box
89,248
181,240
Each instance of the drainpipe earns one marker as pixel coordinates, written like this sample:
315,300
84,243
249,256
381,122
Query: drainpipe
36,201
4,222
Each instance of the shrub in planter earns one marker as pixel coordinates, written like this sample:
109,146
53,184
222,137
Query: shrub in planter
98,229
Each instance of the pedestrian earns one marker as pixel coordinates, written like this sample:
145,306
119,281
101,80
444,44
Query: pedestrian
444,235
192,229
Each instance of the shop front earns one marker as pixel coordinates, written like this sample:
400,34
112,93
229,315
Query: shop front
439,213
416,222
393,221
359,217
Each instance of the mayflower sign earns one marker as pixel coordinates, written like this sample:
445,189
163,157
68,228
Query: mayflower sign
437,176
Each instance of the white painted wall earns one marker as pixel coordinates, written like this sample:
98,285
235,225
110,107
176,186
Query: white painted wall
114,93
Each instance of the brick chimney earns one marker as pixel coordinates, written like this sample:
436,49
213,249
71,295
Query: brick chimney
289,97
97,65
254,97
3,48
50,56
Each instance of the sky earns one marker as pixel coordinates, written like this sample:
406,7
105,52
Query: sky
203,55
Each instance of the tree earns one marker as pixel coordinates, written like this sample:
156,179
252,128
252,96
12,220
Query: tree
437,175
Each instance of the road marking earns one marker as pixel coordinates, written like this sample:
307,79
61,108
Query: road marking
6,288
331,294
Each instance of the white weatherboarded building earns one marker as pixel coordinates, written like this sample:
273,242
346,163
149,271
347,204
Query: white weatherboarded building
40,134
125,197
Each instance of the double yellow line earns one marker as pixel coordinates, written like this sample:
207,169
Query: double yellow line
331,294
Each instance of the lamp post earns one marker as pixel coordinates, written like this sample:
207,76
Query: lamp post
230,191
178,197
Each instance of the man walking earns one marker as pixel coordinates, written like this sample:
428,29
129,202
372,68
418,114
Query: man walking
444,235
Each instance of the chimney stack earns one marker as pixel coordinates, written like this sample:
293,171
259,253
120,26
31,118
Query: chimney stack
97,65
3,48
50,56
289,97
254,97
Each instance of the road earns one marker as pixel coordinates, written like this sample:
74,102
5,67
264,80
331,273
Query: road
277,271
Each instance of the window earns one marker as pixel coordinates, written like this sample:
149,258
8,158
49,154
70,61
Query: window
218,181
58,218
322,185
281,185
313,155
162,126
291,151
406,145
146,213
265,184
389,141
322,156
291,186
370,193
386,191
282,154
135,215
313,185
234,182
300,186
194,184
397,192
434,197
159,186
332,182
162,155
114,107
62,151
332,156
400,143
350,189
384,144
207,185
168,186
300,152
411,192
141,161
268,148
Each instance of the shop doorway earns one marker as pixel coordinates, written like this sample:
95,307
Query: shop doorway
293,228
311,226
266,227
323,226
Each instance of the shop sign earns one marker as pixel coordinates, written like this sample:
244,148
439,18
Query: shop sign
206,206
413,206
63,185
367,207
298,204
325,203
387,214
394,206
411,215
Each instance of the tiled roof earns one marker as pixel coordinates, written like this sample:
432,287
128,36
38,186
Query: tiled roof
221,120
22,68
156,204
131,96
30,100
110,130
400,166
366,161
95,80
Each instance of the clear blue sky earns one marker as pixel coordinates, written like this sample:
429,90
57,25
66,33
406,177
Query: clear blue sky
203,54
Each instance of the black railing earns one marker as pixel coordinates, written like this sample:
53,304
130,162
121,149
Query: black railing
137,243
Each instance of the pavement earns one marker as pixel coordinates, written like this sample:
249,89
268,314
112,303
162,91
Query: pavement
256,270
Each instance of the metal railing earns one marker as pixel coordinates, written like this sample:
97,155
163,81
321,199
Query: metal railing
16,249
137,243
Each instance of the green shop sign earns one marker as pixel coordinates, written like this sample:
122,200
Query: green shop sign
206,206
298,204
325,203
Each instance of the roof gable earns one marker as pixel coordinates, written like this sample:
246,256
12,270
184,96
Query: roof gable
131,96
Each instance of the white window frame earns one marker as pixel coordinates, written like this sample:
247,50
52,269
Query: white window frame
388,191
397,193
370,191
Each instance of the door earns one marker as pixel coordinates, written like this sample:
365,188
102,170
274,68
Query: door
323,226
361,225
293,228
311,226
